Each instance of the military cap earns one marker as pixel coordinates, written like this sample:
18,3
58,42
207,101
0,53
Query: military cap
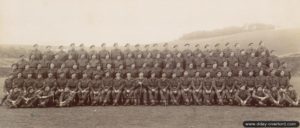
137,45
103,44
48,46
197,45
165,44
21,55
72,44
126,45
260,42
187,44
205,46
175,46
236,44
147,45
250,44
227,43
81,45
217,44
60,46
92,46
35,45
155,44
115,44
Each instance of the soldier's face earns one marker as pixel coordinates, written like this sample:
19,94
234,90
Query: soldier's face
225,64
185,73
259,64
221,54
240,73
191,66
97,77
29,75
74,66
139,56
173,75
141,75
119,57
47,88
129,55
271,65
202,65
98,67
253,54
14,67
163,75
229,74
149,55
32,57
107,74
70,57
178,65
247,64
118,75
128,75
215,66
219,74
94,56
259,89
250,73
232,54
62,76
236,64
263,53
107,56
109,66
133,66
261,73
84,76
50,75
39,76
73,76
158,56
197,74
82,56
63,66
56,56
156,65
121,67
152,75
207,74
27,66
88,66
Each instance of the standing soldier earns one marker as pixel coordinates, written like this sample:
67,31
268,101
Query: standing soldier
110,70
140,91
179,59
49,53
84,90
242,58
82,62
133,71
210,59
243,96
217,49
107,60
33,62
27,71
214,70
92,52
36,52
163,85
118,61
219,86
18,82
81,52
7,88
283,81
76,71
225,69
261,48
116,51
208,92
52,70
186,84
232,59
189,59
107,86
70,62
206,50
128,89
235,69
227,50
127,51
29,82
158,60
250,49
197,90
287,71
139,61
137,51
72,51
191,71
202,70
156,70
197,51
187,52
94,62
129,60
148,60
263,58
273,59
39,83
63,70
166,50
247,69
152,85
174,86
56,61
62,54
21,63
117,88
252,60
237,49
178,70
220,59
199,59
121,71
44,62
95,93
176,51
103,52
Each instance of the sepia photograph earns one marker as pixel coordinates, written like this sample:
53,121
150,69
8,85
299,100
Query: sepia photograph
149,63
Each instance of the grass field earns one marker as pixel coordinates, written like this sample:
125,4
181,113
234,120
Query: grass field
143,116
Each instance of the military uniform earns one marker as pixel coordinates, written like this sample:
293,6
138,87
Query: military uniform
28,83
260,81
94,63
95,93
244,96
208,92
18,83
84,90
175,93
49,55
178,71
37,53
128,91
106,92
73,53
116,52
197,90
164,85
62,55
14,99
219,86
272,81
69,63
152,84
82,62
140,91
117,88
230,89
186,83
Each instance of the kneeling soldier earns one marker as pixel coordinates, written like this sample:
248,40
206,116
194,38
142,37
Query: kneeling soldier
118,85
14,98
243,96
95,93
45,97
84,90
260,97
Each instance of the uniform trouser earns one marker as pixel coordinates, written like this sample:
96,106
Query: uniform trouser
209,97
197,95
153,95
66,99
175,95
106,94
116,94
220,96
4,98
13,103
290,101
229,95
239,102
127,96
95,97
186,95
57,95
258,101
45,102
138,93
164,95
29,103
83,97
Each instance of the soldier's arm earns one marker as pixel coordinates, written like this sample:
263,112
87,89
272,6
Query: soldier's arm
223,85
79,86
237,95
214,85
254,94
248,96
91,87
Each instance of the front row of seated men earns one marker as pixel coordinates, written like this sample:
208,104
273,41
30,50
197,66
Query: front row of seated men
221,90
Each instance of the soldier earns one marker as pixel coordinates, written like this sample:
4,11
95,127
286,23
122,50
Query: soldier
232,59
106,61
174,86
14,98
191,71
29,98
155,51
117,88
84,90
168,71
217,49
163,85
52,70
176,51
98,71
110,70
45,97
39,83
118,62
208,92
62,55
250,49
70,62
148,60
22,62
261,48
94,62
49,53
251,82
156,70
187,52
139,61
18,82
61,85
178,70
89,71
63,70
128,89
103,52
50,82
72,52
7,88
219,86
237,49
145,70
186,83
202,70
230,88
76,71
14,70
189,59
243,96
220,59
56,61
283,82
140,90
214,70
95,93
227,50
137,51
199,60
82,62
252,60
263,58
197,90
93,52
127,51
261,80
240,80
107,86
270,69
287,71
225,69
27,71
210,59
291,97
33,62
129,60
36,52
235,69
44,62
272,81
242,58
206,50
146,52
247,69
133,71
116,51
152,85
166,50
158,60
197,50
273,59
29,82
260,97
274,97
68,97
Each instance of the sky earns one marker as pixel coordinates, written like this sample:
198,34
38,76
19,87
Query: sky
133,21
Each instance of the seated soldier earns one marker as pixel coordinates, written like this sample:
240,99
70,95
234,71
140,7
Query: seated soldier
283,82
208,92
61,85
152,85
260,97
291,97
45,97
14,98
117,88
185,86
83,90
95,86
7,88
243,96
219,86
164,86
66,98
274,97
29,99
72,88
174,89
197,90
127,94
140,90
107,86
230,88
